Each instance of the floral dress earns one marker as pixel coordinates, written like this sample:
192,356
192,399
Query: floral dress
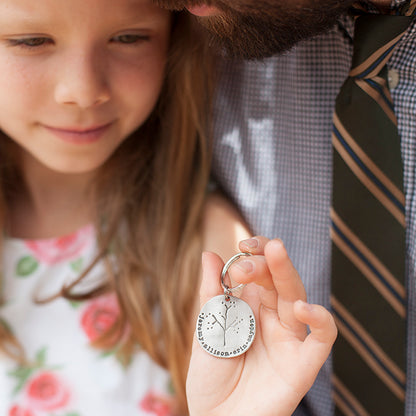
64,375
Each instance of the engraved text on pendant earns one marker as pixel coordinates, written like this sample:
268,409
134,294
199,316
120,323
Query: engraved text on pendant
226,328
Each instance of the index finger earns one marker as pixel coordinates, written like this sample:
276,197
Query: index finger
286,280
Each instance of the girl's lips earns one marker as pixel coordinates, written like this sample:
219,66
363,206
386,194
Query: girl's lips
79,135
203,11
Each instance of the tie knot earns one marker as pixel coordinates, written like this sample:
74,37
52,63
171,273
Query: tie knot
375,38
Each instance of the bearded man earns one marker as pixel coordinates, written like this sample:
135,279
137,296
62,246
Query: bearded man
273,153
259,29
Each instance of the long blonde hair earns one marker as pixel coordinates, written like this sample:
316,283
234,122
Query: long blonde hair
150,195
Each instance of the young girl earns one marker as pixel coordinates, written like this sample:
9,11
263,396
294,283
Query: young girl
104,164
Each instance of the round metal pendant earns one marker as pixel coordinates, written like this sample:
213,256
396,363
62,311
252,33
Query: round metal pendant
226,326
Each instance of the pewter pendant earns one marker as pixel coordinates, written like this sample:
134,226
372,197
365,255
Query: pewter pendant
226,326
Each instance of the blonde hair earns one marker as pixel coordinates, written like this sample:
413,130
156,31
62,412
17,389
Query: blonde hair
150,195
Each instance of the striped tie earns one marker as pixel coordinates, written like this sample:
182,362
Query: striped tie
368,229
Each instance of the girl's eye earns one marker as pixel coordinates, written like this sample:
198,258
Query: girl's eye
32,43
129,39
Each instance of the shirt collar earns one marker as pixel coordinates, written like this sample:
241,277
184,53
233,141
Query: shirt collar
346,21
371,6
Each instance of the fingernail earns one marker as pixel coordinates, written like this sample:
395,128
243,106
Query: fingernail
251,242
305,305
246,266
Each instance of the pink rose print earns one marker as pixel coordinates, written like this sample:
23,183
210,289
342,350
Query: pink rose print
54,250
46,392
99,316
156,404
16,410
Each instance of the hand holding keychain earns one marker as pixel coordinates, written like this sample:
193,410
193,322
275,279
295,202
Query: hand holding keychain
226,326
285,358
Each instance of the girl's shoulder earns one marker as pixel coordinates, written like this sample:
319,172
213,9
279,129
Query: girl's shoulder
223,226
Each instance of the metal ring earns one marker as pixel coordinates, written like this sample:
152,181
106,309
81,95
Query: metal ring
228,290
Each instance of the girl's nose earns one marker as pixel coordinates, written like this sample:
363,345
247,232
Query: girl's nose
82,81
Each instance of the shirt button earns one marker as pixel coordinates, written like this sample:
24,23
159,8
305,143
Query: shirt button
393,78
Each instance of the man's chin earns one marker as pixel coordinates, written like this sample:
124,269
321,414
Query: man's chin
250,37
243,29
252,42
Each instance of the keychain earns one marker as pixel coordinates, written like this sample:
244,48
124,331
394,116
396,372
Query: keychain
226,325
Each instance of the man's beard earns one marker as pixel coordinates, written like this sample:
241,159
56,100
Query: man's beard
255,29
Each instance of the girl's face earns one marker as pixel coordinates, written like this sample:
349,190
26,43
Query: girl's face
78,76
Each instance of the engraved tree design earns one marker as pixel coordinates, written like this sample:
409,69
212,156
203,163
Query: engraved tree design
223,319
